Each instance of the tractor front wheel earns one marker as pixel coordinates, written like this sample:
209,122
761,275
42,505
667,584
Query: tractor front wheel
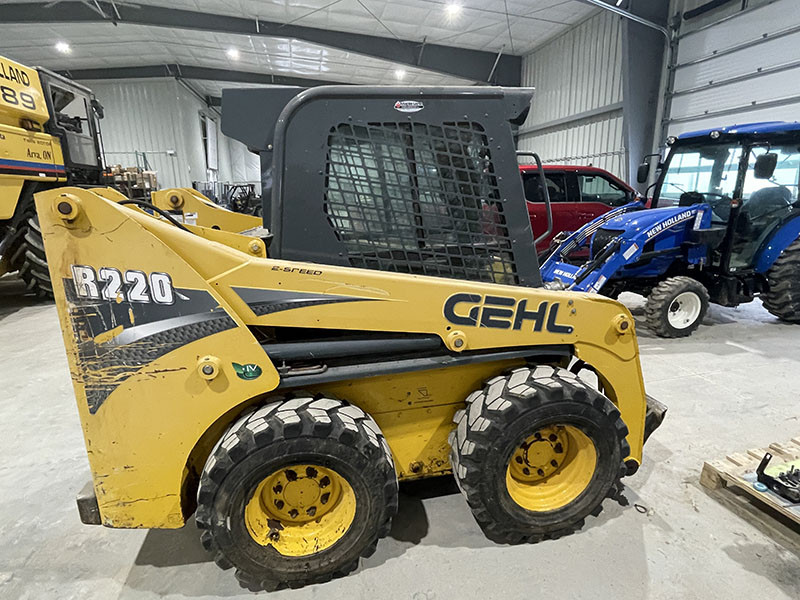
676,307
26,248
537,451
296,492
783,297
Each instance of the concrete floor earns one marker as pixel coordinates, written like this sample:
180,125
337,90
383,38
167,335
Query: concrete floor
731,386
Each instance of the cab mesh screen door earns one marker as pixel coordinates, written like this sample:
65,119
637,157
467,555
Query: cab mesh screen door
418,198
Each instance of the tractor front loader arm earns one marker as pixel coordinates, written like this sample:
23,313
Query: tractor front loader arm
171,333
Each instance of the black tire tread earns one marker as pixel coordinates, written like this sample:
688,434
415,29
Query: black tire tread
783,297
661,295
26,249
524,387
295,415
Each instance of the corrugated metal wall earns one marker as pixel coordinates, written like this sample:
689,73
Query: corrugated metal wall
576,116
737,67
161,118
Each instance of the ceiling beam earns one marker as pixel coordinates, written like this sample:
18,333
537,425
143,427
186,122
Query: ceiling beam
475,65
190,72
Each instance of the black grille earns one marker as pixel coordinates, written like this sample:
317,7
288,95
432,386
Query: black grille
602,237
418,198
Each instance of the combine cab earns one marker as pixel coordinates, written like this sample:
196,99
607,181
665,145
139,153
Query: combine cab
724,229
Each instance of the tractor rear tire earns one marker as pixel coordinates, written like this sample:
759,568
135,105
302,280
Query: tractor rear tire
26,249
783,297
537,451
296,492
676,307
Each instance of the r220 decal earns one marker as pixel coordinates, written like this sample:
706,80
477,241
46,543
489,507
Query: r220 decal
501,312
108,283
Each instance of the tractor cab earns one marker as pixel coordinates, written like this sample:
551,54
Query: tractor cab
724,228
748,178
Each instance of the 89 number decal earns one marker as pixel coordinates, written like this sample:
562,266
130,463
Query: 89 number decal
10,97
134,286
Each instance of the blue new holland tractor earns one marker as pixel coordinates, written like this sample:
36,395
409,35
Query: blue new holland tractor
724,227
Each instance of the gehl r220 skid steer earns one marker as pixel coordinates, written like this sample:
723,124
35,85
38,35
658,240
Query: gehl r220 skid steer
398,330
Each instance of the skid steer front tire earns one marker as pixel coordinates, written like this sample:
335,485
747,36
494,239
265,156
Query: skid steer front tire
783,297
296,492
676,307
537,451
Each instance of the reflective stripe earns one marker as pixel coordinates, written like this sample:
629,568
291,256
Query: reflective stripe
26,165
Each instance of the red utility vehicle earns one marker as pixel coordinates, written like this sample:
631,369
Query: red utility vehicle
577,195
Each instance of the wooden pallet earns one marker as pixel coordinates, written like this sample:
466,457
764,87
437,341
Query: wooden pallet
738,470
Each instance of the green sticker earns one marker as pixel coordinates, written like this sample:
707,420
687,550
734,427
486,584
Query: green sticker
250,371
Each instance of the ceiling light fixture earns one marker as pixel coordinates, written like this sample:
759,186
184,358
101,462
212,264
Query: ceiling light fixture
232,53
400,73
453,8
63,47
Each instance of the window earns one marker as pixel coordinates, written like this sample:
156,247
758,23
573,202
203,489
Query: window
72,115
595,188
71,111
766,202
556,185
208,131
710,171
785,177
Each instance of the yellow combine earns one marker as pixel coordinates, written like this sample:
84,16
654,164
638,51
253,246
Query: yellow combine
284,398
49,137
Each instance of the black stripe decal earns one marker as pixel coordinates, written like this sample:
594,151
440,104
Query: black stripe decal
267,302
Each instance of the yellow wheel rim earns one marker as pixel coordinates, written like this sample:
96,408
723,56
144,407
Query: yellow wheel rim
300,510
551,468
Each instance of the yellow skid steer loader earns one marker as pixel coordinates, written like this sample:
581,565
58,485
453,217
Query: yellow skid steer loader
397,330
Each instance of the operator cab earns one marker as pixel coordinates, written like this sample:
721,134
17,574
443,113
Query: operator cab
75,115
749,177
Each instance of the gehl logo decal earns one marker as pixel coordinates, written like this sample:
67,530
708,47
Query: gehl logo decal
500,312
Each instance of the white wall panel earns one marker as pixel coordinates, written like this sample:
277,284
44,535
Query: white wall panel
162,119
719,83
598,143
142,116
580,71
577,72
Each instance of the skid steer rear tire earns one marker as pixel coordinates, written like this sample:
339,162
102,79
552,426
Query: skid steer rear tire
783,297
26,249
554,416
672,298
301,452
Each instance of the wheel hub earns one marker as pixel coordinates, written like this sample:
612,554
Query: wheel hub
540,455
551,468
684,310
300,509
